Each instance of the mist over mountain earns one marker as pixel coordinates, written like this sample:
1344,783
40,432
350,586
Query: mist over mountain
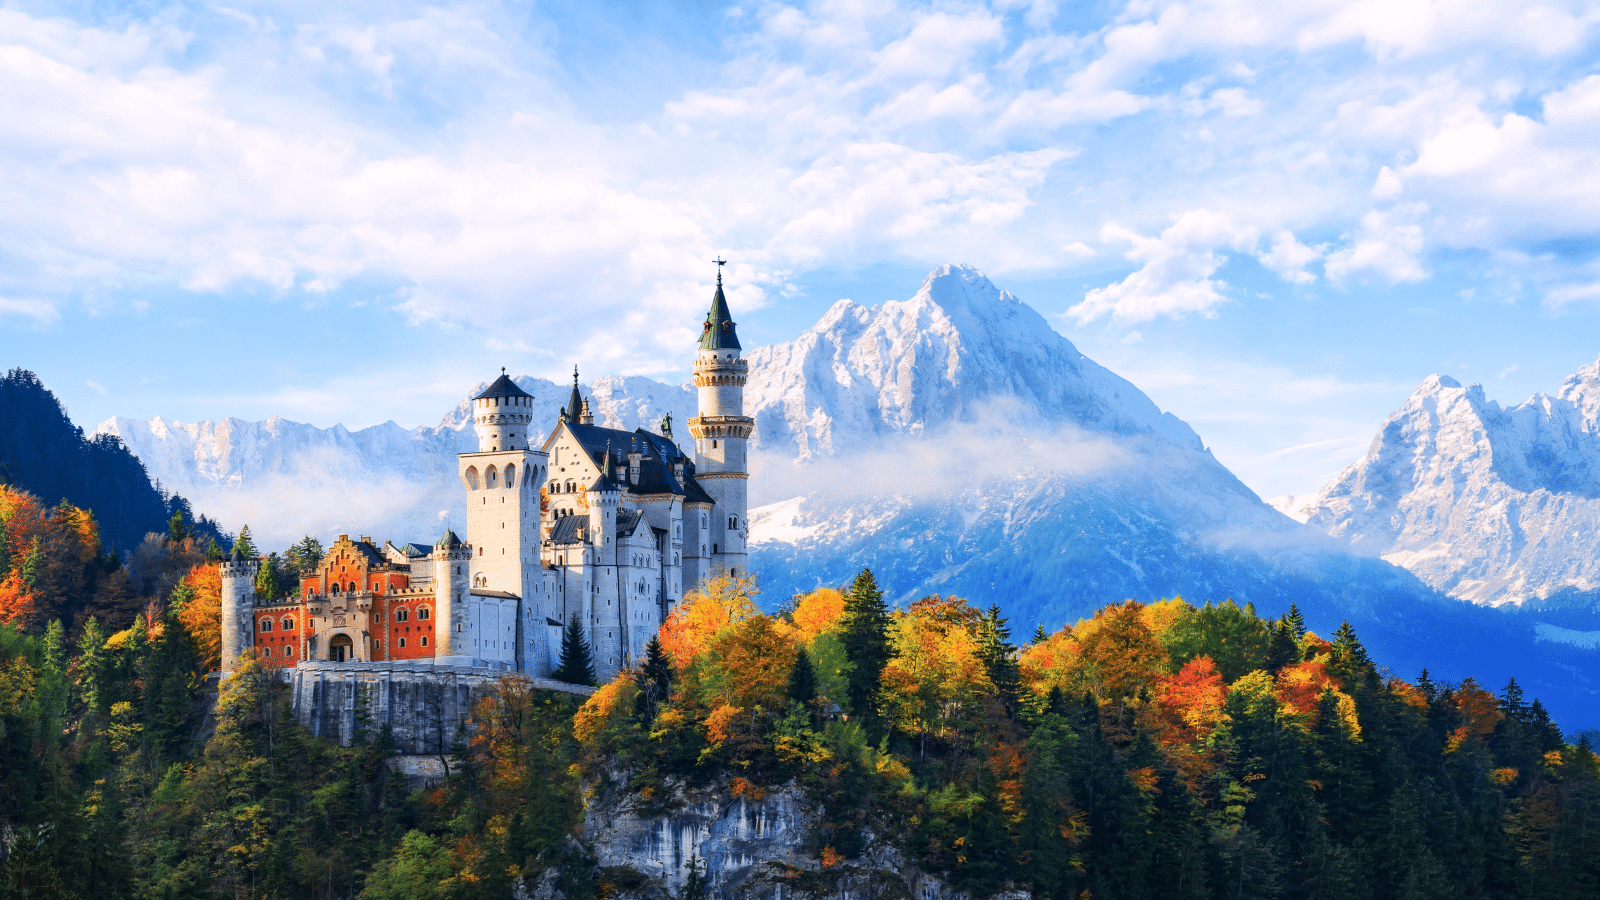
953,442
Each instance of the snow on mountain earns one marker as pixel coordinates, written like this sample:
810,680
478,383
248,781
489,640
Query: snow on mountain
955,443
1487,504
288,479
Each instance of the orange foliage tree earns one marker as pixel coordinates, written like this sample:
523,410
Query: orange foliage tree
18,606
200,594
722,601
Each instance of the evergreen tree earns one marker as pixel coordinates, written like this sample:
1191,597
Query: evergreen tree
1039,634
1350,660
654,679
304,557
803,680
866,644
267,578
32,565
245,546
1295,621
1283,648
213,552
999,657
177,528
577,664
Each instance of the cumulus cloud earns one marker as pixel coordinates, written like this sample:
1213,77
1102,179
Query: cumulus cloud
1388,246
1175,275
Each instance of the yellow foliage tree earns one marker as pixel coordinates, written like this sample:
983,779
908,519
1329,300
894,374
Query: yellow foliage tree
721,602
818,612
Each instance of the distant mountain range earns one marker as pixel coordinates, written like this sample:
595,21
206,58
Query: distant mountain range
1485,503
953,442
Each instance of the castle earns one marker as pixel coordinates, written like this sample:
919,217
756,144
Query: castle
605,525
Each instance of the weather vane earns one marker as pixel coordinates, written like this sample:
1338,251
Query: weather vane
720,263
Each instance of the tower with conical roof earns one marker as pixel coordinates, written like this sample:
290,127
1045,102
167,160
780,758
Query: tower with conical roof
452,565
721,437
502,480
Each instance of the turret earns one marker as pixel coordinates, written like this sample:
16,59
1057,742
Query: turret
501,416
721,434
452,561
238,605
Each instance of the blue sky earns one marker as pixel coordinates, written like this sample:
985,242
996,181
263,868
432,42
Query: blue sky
1274,218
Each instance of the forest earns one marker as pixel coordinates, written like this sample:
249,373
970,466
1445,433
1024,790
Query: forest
1161,749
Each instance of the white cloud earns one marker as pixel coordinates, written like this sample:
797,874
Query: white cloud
1289,258
1388,245
1174,277
42,312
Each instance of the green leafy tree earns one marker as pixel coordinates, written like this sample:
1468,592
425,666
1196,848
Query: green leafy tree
577,663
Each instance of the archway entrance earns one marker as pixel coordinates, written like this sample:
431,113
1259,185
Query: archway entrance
341,648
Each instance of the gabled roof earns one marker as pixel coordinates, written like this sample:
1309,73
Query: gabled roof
416,550
570,530
719,333
659,457
502,387
628,521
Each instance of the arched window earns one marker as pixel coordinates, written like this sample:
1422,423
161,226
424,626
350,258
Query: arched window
472,477
334,589
402,643
288,623
400,615
424,640
489,476
511,476
266,624
351,589
422,613
289,650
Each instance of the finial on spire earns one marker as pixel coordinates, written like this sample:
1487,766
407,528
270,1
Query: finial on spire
720,263
574,374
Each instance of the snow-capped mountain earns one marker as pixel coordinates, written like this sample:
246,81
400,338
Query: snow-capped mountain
953,442
1486,504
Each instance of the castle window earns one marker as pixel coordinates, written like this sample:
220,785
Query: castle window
288,624
489,477
266,624
713,548
402,643
423,613
352,588
713,445
424,640
401,615
511,476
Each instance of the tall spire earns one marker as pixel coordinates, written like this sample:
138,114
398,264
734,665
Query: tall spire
719,333
575,405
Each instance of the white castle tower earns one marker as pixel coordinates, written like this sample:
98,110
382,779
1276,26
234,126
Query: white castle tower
503,480
721,434
452,568
238,603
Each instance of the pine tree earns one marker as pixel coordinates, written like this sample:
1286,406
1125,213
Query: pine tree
32,565
1295,621
577,664
177,528
1039,634
1350,660
267,578
999,657
304,557
803,680
1283,647
245,546
654,679
866,644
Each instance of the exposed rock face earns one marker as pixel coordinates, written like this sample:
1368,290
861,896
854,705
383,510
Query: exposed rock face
745,848
1487,504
